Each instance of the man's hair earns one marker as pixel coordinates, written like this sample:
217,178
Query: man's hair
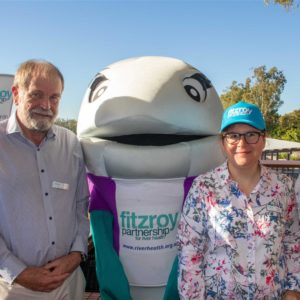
33,67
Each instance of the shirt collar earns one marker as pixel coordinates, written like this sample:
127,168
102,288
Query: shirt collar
225,172
265,173
12,125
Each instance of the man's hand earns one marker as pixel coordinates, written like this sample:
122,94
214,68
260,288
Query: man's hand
40,279
51,275
291,295
64,264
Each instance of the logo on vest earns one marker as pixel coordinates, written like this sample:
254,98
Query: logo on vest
239,112
147,227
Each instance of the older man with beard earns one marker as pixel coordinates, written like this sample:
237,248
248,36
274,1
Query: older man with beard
43,193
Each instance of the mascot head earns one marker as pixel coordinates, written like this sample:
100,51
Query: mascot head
150,117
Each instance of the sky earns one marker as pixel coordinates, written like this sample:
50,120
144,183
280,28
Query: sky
223,39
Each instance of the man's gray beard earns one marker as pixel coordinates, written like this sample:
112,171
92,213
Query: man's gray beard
41,125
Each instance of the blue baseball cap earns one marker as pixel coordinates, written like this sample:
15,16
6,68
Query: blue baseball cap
243,112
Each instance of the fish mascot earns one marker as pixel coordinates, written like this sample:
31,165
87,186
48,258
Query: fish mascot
148,126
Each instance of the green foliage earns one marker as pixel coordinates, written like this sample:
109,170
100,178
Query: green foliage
290,120
288,127
263,88
70,124
283,155
292,156
292,134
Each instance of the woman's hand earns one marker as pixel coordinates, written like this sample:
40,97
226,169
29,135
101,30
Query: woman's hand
291,295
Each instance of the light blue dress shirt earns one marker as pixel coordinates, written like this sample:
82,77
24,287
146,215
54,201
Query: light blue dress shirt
43,198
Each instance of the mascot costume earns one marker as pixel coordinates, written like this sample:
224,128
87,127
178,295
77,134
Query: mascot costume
148,126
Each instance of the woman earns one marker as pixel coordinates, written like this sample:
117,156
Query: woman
297,191
239,235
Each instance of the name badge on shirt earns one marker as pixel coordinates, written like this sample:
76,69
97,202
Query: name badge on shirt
274,208
60,185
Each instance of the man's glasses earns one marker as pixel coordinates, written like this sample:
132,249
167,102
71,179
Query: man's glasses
250,137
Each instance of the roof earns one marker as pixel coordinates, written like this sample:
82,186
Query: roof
274,144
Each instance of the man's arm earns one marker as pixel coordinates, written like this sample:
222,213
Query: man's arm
10,265
40,279
13,270
80,241
65,264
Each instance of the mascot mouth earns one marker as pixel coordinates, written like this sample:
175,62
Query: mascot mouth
153,139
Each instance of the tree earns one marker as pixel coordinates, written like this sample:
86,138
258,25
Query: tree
292,134
263,88
70,124
285,3
288,127
290,120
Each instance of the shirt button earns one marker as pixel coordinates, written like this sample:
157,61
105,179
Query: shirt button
53,243
50,218
42,170
38,149
46,194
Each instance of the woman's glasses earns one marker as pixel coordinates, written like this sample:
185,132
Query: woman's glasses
250,137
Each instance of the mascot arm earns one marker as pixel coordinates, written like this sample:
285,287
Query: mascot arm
111,277
171,292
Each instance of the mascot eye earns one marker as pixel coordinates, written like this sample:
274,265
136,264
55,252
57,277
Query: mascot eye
194,89
98,87
196,86
98,92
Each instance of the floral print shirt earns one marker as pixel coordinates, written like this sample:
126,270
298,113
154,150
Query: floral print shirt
236,247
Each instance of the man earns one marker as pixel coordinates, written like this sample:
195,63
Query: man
43,193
